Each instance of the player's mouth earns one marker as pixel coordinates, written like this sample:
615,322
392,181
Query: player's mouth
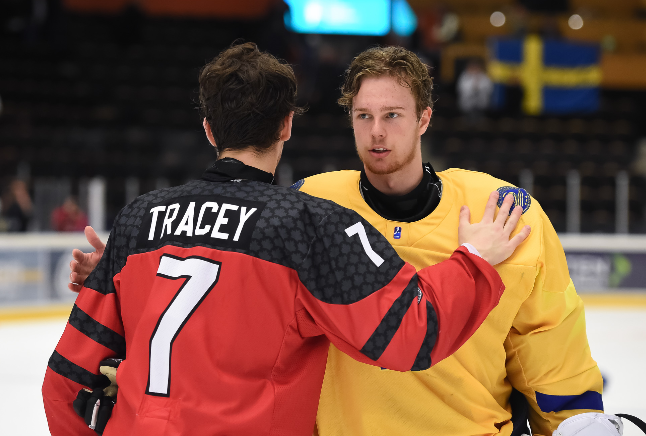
379,152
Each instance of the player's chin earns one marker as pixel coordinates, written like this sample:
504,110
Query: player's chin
378,163
381,166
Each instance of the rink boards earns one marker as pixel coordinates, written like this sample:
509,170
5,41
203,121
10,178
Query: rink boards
34,268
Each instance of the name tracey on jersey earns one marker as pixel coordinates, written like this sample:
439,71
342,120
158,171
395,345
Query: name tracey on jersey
208,219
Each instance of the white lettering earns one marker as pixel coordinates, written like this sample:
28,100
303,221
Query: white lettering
169,219
153,224
221,220
359,229
187,222
244,216
203,231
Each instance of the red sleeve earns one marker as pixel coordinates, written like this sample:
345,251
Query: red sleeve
396,327
462,290
93,333
61,418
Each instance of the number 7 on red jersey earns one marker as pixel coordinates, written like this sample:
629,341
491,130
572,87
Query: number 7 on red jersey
201,275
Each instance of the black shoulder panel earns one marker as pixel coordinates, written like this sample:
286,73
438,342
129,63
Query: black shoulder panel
338,268
281,229
276,224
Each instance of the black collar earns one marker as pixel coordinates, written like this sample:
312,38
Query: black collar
227,169
417,204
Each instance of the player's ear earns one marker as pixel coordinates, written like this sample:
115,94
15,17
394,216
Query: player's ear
425,120
209,134
286,131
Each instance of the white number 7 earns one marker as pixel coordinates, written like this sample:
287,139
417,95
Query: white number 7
358,228
202,275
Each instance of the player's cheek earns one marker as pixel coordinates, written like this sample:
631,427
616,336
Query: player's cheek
362,138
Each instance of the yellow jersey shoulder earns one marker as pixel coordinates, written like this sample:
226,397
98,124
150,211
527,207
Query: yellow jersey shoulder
460,187
337,186
474,184
472,188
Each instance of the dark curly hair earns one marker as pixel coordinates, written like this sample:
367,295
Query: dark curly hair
245,95
397,62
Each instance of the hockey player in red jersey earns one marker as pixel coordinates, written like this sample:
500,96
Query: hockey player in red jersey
223,294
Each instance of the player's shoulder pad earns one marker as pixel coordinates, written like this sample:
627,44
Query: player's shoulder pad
484,184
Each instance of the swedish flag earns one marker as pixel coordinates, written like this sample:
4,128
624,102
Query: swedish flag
557,76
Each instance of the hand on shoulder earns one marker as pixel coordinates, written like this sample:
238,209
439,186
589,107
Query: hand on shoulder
491,236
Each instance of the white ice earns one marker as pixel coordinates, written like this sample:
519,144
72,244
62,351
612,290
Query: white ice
617,338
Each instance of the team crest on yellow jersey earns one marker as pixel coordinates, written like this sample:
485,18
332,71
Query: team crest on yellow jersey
521,197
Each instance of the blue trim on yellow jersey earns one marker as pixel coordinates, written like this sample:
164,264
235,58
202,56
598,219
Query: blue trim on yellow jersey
556,403
297,186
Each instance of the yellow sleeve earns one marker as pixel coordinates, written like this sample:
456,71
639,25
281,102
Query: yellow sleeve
548,356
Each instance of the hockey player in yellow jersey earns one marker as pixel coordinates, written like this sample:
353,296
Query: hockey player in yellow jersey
535,340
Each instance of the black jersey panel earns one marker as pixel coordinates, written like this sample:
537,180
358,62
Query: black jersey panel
200,220
62,366
96,331
348,260
381,337
423,360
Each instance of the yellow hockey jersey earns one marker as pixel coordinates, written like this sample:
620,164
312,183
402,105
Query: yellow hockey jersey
534,340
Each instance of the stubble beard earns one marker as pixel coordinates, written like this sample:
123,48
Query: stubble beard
392,167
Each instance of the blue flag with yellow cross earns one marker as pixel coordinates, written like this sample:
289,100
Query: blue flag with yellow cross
557,77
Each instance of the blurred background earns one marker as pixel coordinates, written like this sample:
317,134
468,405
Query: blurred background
98,104
100,96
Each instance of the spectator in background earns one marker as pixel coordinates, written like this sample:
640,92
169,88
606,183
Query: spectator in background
69,217
474,88
16,207
518,20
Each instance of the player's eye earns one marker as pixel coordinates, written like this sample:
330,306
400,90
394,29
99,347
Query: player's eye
392,115
363,116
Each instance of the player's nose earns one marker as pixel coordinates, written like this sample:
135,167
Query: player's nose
377,129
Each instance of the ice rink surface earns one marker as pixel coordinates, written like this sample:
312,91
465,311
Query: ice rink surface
617,338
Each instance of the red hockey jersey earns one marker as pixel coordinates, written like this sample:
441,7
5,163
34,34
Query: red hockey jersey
223,295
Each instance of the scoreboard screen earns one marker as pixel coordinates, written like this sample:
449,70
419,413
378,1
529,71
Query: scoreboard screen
350,17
